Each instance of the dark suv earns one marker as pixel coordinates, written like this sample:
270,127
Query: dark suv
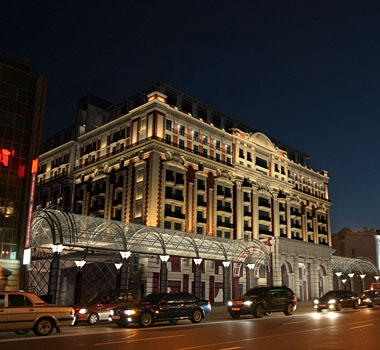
158,307
336,300
263,300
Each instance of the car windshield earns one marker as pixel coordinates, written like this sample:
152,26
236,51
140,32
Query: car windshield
330,295
154,298
255,292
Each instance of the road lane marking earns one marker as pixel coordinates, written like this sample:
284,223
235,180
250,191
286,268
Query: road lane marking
295,322
364,325
267,336
136,340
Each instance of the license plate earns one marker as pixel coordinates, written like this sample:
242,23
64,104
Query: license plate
116,317
235,309
322,305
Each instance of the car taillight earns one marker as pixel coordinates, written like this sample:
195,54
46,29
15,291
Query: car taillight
72,312
294,298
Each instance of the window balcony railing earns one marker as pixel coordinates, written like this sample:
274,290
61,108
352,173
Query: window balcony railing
224,208
200,219
265,218
264,204
174,214
174,196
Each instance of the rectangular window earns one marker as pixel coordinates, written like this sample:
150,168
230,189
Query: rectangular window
181,144
217,145
228,161
217,157
249,157
196,136
205,152
200,230
227,235
182,130
168,138
168,125
219,233
228,149
261,162
178,226
167,225
241,153
196,149
205,140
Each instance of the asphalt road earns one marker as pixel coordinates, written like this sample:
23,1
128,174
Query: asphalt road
348,329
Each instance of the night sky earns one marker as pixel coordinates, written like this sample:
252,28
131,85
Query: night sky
304,72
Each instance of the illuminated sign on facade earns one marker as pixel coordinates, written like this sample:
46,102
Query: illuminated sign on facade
31,200
4,156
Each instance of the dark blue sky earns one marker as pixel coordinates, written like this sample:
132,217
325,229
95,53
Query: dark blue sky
304,72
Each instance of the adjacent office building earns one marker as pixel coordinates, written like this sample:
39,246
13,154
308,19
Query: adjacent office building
22,109
162,158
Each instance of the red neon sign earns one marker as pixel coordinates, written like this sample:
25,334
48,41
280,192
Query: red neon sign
34,166
4,156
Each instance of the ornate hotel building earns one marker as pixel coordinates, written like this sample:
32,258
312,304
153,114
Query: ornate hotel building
162,158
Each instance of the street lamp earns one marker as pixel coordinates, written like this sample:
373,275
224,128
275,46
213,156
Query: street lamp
165,258
344,280
57,248
125,255
362,276
377,278
251,266
197,261
351,275
80,263
118,265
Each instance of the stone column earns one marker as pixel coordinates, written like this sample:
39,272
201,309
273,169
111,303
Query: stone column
255,214
275,218
210,215
314,279
227,281
276,263
288,221
239,211
190,208
124,275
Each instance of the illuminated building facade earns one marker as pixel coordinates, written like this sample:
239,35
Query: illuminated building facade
22,108
162,158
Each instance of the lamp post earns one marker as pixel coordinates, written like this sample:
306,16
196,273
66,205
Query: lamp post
338,274
377,279
344,280
164,272
124,271
78,280
362,276
227,281
351,275
197,277
53,285
251,276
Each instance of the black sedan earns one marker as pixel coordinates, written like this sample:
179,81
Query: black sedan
336,300
370,298
157,307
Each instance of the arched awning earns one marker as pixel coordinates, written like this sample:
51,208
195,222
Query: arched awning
353,265
52,226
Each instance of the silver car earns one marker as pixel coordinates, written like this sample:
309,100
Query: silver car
22,311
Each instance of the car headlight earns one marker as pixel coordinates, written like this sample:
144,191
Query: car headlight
248,303
332,301
82,311
316,301
229,303
368,300
111,313
130,312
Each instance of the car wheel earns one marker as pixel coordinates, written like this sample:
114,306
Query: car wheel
289,309
319,310
197,316
267,313
93,318
43,326
356,305
146,319
370,305
234,315
259,311
338,307
173,321
21,332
